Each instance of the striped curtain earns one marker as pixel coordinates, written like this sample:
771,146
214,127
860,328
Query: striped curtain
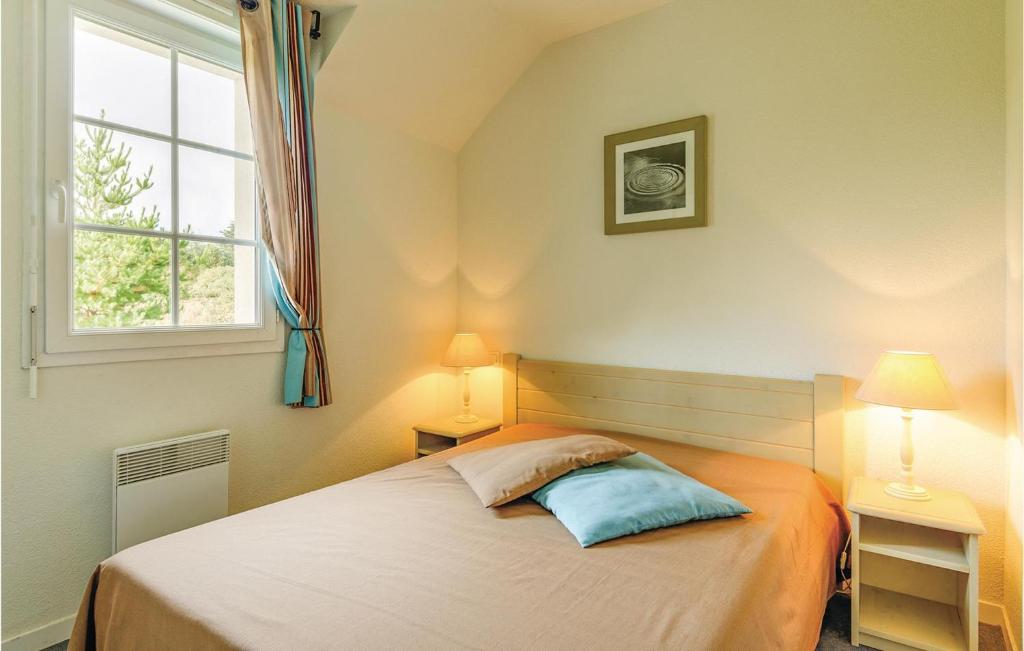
279,85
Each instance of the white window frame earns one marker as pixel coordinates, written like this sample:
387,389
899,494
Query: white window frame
51,339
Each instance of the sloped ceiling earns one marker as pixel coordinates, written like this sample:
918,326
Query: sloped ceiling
434,68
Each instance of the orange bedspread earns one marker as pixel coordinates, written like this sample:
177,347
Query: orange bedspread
407,558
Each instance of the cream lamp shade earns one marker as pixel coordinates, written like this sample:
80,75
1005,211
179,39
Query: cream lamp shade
910,381
467,350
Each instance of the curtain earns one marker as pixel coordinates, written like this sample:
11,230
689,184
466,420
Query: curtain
279,86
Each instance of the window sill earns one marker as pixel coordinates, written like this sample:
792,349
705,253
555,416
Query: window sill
274,345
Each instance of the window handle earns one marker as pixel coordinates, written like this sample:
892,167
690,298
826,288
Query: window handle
59,191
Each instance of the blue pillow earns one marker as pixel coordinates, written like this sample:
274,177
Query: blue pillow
630,495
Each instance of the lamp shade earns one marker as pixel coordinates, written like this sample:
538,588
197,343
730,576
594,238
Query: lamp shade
908,380
467,349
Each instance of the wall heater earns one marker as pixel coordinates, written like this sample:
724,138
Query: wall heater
167,486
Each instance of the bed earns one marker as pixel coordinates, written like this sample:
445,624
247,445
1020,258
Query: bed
408,558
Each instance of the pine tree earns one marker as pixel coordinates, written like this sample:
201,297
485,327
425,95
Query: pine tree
120,280
124,280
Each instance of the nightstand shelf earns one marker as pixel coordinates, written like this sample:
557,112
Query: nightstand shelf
915,570
914,543
423,449
911,621
442,434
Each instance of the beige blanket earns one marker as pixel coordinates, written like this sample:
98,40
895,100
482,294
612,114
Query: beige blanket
407,558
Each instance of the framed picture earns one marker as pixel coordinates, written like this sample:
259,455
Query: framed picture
656,178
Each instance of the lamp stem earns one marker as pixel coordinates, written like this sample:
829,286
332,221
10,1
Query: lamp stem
907,450
466,416
906,488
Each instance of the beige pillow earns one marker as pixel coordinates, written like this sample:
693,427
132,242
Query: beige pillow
502,474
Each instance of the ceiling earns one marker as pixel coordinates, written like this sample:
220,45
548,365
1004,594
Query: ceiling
435,68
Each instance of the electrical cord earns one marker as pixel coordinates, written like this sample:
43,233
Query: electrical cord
844,586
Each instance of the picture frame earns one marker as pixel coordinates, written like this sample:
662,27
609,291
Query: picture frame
655,178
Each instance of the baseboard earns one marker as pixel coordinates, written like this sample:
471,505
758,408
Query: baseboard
994,615
41,637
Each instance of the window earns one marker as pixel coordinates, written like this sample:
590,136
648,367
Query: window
151,236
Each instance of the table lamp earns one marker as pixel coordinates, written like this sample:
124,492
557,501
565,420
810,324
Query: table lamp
467,351
910,381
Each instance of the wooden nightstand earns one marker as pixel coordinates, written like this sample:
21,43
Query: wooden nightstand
443,433
915,569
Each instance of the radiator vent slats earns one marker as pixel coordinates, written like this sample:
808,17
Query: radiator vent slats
142,462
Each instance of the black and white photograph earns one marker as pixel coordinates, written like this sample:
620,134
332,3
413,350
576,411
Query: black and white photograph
655,177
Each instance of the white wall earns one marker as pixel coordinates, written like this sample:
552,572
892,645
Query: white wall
1015,374
388,231
856,204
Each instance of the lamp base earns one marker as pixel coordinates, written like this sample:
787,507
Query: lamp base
908,492
466,418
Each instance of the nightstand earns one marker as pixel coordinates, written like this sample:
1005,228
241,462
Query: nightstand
443,433
915,569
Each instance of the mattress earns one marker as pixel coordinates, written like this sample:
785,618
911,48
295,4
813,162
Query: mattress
408,558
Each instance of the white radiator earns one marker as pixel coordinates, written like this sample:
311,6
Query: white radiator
167,486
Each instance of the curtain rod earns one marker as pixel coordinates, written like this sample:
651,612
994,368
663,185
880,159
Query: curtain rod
314,31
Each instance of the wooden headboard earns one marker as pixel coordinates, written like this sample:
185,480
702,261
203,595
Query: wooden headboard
788,420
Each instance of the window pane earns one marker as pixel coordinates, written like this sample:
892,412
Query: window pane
217,284
215,194
212,108
121,180
121,281
121,78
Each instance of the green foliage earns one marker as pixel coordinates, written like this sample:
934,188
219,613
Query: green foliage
124,280
207,283
120,280
104,185
202,297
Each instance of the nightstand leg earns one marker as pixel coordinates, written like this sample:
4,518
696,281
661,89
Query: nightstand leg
855,580
970,618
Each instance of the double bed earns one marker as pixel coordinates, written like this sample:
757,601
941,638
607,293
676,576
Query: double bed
408,558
